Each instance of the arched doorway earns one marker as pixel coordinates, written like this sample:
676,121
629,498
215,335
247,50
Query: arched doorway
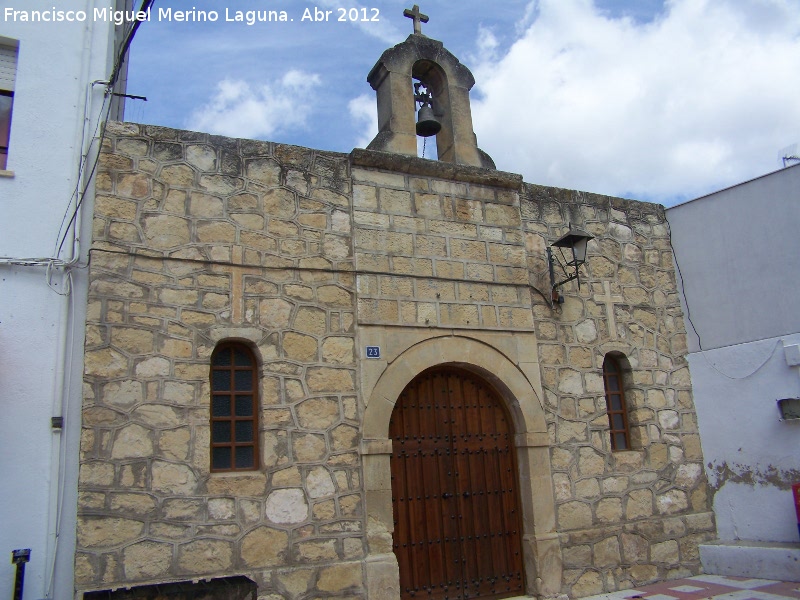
457,520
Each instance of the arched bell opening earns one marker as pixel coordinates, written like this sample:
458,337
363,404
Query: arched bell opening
434,117
424,60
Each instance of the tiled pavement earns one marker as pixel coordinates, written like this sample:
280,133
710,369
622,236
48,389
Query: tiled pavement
709,586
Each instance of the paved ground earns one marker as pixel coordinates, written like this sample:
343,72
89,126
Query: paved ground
709,586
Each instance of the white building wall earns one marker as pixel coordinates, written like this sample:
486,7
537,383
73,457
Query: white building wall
751,456
739,257
41,330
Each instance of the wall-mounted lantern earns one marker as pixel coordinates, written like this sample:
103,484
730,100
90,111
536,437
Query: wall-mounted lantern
575,241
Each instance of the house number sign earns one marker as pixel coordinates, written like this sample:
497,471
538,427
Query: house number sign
373,351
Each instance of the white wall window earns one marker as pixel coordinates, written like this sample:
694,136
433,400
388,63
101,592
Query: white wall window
8,74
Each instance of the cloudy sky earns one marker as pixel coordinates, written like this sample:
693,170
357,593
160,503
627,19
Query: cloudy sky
660,100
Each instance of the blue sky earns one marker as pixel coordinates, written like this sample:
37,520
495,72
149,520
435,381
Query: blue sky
648,99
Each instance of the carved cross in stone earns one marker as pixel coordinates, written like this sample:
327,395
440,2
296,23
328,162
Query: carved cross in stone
238,271
609,301
417,16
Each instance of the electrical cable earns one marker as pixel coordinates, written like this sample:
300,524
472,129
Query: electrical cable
683,289
129,35
307,269
126,44
81,168
756,370
90,178
702,351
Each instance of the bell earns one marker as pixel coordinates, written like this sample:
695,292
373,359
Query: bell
427,123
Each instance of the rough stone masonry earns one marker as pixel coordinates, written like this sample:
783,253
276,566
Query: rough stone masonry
308,256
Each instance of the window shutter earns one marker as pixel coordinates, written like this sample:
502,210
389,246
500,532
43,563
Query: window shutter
8,67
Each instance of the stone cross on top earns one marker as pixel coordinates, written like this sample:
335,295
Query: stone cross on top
418,17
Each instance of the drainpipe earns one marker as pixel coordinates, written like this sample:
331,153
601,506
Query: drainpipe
62,427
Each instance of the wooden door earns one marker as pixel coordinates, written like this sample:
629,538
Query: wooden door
456,513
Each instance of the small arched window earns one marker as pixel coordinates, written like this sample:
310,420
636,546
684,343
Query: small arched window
234,408
615,402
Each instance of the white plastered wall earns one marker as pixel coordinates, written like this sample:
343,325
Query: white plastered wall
41,330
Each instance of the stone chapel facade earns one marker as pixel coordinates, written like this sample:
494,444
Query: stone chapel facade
319,375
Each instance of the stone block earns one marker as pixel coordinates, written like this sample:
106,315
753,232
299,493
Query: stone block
308,447
319,483
468,250
634,548
174,444
609,510
276,313
173,478
308,320
287,506
163,232
204,557
334,296
96,474
105,363
132,441
221,509
639,504
122,393
674,501
395,201
318,413
502,215
324,379
146,560
317,551
104,532
588,584
606,553
574,515
665,553
340,578
300,347
344,437
590,462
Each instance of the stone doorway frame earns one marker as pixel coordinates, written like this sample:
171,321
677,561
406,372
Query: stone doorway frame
514,373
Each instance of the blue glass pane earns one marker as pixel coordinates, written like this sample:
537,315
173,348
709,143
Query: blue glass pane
220,458
222,358
616,403
221,381
245,458
619,442
244,381
617,422
613,383
244,406
221,406
244,431
241,358
221,432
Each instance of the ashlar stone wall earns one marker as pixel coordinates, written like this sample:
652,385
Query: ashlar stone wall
307,256
436,251
625,518
200,239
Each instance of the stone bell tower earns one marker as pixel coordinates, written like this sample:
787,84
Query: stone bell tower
448,82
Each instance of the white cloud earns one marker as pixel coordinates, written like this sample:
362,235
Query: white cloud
701,98
238,109
364,114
